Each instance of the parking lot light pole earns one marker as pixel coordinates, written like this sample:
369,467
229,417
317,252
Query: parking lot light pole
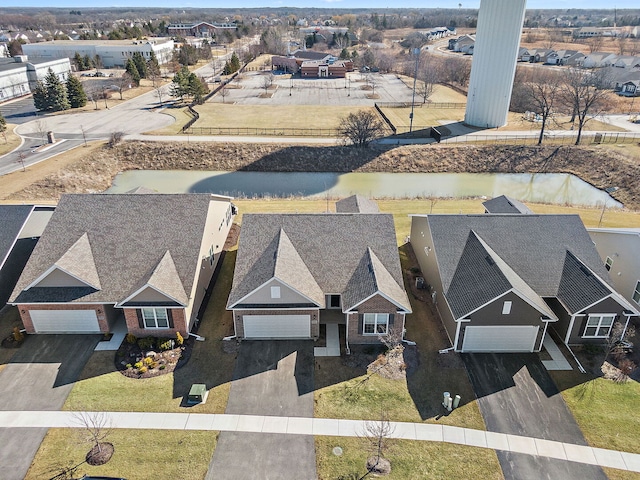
416,52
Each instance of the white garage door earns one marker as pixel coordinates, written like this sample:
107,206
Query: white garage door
65,321
277,326
500,339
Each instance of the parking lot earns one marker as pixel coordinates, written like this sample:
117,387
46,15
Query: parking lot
249,90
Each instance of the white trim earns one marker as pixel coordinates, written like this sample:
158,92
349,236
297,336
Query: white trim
570,329
275,292
50,270
146,285
270,309
595,303
378,292
608,263
601,316
636,290
458,322
520,295
63,303
233,305
375,324
155,317
506,307
544,333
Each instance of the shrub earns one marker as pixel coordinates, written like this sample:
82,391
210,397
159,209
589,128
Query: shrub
148,361
115,139
162,367
153,365
165,344
146,343
179,339
128,365
138,365
142,370
131,338
18,336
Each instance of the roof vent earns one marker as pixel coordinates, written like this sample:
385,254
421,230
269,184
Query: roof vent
489,260
585,270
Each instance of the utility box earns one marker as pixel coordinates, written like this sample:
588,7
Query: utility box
198,394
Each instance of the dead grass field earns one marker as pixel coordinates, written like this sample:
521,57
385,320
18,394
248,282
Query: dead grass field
9,141
260,62
114,96
272,116
181,116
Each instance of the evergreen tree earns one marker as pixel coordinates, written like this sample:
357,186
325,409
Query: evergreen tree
78,62
40,97
140,64
56,92
235,63
3,127
131,69
344,54
75,92
180,85
197,88
152,64
88,63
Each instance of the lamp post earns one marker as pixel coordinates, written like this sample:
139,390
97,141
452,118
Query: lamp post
416,52
290,84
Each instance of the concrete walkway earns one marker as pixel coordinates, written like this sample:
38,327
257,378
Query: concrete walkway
333,343
119,332
557,362
332,427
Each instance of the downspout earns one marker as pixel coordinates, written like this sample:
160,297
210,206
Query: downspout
546,321
346,339
627,314
566,341
455,342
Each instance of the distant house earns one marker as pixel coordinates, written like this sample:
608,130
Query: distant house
356,204
571,58
619,250
501,281
461,43
504,204
630,88
142,259
627,61
536,55
295,272
599,59
199,29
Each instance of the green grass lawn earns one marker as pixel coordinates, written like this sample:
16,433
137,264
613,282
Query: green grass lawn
606,412
139,454
409,460
181,116
102,388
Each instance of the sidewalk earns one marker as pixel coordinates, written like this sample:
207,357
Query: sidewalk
333,427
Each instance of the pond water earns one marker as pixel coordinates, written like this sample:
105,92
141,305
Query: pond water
555,188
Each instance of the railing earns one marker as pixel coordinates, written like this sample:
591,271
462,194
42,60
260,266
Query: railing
264,132
588,138
443,105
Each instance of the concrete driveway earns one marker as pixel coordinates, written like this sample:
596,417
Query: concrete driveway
271,378
517,396
39,377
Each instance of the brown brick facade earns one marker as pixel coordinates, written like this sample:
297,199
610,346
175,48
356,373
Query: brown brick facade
377,304
239,326
179,324
100,310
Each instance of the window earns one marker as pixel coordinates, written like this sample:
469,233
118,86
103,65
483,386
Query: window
506,308
636,293
155,318
375,323
607,263
275,292
599,326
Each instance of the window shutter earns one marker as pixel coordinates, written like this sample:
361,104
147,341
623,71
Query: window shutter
140,320
170,317
360,323
391,318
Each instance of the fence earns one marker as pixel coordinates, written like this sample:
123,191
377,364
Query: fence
588,138
264,132
435,105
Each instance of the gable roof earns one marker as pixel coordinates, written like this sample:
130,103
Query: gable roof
127,236
329,247
578,287
356,204
504,204
533,246
12,219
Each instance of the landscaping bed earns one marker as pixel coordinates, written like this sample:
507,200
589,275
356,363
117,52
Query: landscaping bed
151,356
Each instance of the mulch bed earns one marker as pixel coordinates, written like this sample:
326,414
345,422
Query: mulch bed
164,362
100,456
10,342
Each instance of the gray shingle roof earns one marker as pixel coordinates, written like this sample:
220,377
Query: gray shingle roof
79,262
356,204
578,287
504,204
12,219
533,248
331,247
165,279
128,236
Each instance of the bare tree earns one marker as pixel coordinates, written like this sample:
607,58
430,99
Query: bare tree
360,128
543,92
95,429
124,82
94,93
267,81
427,77
42,128
154,74
594,43
584,92
622,42
159,94
378,437
552,38
224,91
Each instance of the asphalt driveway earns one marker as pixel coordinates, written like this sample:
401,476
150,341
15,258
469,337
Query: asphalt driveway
39,377
271,378
517,396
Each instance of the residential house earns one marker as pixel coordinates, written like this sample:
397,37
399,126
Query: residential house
199,29
572,58
619,250
20,228
630,88
460,43
499,281
627,61
294,272
356,204
536,55
504,204
143,259
599,59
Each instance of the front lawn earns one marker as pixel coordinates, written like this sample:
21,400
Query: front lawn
139,454
102,388
409,460
607,412
341,392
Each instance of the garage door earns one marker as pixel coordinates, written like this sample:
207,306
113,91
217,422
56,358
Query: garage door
500,339
277,326
65,321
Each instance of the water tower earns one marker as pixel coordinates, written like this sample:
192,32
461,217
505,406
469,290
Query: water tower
494,62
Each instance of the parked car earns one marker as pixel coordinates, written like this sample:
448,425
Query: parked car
98,74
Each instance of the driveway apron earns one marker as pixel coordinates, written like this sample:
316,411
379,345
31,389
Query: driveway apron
271,378
39,377
517,396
